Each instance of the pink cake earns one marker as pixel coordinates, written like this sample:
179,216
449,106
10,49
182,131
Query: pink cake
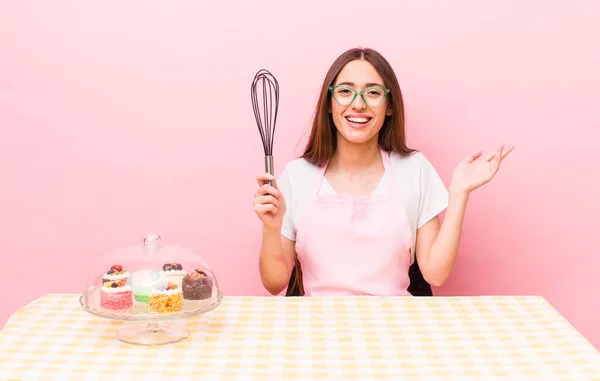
115,293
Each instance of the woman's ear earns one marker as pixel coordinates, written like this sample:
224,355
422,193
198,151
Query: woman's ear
389,110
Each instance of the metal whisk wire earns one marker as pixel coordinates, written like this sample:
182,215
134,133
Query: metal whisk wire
266,120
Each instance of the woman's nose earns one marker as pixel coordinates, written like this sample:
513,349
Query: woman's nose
358,103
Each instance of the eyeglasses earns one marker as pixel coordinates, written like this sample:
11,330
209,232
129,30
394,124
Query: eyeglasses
372,96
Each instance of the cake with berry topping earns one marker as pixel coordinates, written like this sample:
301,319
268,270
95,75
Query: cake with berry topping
115,293
166,298
173,273
197,285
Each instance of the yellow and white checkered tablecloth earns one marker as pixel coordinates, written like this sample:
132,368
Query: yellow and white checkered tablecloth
277,338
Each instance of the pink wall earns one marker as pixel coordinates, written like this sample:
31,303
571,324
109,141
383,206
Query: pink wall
110,113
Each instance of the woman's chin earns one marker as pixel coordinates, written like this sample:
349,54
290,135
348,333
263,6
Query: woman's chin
357,136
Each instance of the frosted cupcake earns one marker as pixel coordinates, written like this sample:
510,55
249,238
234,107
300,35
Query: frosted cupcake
173,273
143,282
115,293
166,298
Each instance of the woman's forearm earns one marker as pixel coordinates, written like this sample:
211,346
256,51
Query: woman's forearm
444,248
274,272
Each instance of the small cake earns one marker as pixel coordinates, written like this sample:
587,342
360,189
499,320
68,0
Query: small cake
197,286
173,273
115,293
166,298
143,282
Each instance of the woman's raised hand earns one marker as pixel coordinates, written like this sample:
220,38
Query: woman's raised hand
477,170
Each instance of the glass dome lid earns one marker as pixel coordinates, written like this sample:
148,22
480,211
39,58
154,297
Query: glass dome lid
151,281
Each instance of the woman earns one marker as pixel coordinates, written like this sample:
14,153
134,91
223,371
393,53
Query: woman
359,207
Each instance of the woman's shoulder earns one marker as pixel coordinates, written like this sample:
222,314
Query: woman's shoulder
413,167
299,169
414,160
296,180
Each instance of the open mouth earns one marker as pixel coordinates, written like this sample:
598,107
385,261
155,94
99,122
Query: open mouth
358,122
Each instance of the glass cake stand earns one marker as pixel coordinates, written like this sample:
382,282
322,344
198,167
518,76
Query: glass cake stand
151,283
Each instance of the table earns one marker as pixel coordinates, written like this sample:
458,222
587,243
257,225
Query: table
279,338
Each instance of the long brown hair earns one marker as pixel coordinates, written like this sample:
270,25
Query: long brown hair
323,137
322,141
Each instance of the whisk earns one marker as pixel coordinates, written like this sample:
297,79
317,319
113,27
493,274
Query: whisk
265,112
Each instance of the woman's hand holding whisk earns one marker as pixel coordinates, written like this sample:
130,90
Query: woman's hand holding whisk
269,203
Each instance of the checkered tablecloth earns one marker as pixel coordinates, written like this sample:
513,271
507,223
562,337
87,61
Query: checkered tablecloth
278,338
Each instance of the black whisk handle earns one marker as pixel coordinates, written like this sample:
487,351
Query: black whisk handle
270,167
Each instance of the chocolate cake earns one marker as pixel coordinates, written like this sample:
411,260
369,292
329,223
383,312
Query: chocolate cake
197,286
172,267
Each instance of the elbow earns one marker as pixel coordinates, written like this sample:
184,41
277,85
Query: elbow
273,289
436,282
274,285
273,281
435,279
435,273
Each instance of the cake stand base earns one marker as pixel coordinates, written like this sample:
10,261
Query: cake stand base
152,334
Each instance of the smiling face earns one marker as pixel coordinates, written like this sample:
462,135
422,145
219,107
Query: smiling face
359,122
385,121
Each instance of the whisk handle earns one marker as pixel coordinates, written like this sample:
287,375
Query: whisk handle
269,167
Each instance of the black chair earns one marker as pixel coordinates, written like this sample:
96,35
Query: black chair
418,284
295,283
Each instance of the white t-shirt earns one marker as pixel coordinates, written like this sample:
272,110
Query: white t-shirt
423,193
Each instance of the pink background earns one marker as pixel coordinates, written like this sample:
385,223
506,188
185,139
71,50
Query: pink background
120,118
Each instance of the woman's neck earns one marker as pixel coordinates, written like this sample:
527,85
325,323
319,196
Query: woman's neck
356,158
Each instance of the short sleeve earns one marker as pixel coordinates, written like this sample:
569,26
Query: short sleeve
433,196
288,230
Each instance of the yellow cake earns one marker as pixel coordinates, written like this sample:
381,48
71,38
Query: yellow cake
166,298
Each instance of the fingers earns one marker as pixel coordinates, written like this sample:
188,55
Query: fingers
474,156
492,155
268,199
266,177
506,152
503,152
262,209
495,163
267,189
